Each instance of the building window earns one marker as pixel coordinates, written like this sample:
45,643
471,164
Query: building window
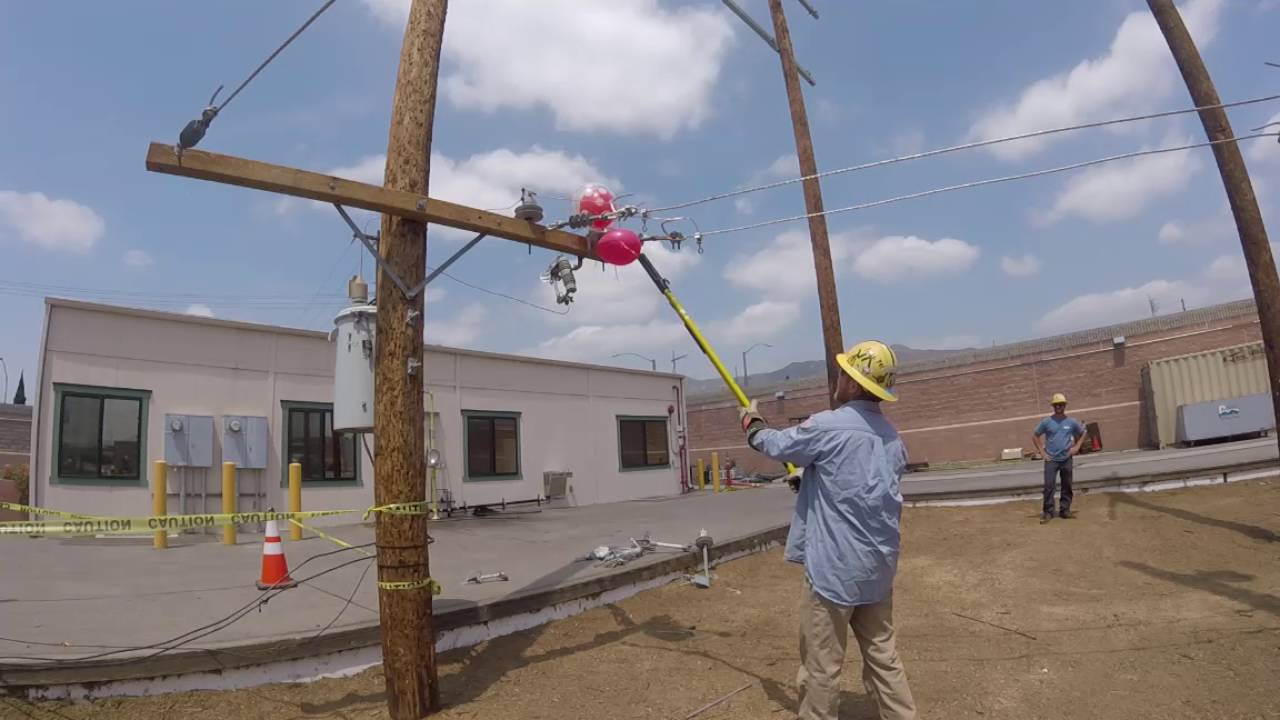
493,445
101,436
327,457
642,443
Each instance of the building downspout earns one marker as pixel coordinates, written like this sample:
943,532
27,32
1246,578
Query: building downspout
682,418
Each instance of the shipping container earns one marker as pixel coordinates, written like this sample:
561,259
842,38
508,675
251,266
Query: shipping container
1222,374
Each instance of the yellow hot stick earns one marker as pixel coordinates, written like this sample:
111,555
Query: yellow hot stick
698,338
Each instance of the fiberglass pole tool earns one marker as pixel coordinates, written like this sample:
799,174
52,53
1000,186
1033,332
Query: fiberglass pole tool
665,288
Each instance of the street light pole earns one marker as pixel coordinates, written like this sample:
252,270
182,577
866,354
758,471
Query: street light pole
674,358
746,377
653,364
6,381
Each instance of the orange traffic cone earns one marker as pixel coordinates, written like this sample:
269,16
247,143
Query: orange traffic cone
275,569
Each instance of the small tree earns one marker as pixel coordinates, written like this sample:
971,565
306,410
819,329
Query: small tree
21,477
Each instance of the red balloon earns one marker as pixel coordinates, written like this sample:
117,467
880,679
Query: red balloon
595,200
619,246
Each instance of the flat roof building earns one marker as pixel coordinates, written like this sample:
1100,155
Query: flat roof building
113,380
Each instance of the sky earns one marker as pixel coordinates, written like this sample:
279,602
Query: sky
666,101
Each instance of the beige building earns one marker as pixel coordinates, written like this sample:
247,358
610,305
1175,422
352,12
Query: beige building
113,379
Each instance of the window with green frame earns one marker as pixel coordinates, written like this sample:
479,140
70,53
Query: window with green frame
493,445
100,435
642,443
327,457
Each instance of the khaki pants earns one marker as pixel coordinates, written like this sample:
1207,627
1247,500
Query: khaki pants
824,636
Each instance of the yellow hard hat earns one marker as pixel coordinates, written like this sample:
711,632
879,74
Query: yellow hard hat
1058,399
873,365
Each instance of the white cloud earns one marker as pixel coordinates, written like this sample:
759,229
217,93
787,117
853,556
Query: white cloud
784,167
1020,266
906,142
1265,150
1134,74
758,322
1122,189
784,266
1104,308
1198,232
459,329
1172,232
634,67
1227,268
597,343
138,259
200,310
948,342
489,180
51,223
898,257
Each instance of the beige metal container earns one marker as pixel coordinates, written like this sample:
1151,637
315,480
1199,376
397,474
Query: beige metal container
1213,375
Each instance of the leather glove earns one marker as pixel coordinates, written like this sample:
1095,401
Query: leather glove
793,479
751,418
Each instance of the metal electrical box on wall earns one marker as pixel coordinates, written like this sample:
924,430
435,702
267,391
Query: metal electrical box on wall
245,441
188,440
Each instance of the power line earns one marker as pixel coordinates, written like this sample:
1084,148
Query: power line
989,181
508,297
956,148
272,56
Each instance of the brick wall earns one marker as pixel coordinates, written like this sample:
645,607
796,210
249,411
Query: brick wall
973,411
15,434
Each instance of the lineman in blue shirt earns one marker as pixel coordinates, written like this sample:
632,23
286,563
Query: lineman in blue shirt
845,533
1058,438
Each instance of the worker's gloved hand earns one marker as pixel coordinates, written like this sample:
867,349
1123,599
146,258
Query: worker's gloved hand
793,479
751,418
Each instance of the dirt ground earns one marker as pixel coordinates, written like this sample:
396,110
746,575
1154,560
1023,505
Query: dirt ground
1153,605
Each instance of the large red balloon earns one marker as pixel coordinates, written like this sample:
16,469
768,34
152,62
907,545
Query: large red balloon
619,246
595,200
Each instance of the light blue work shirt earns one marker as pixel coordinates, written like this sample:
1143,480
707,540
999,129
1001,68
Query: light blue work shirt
845,528
1059,436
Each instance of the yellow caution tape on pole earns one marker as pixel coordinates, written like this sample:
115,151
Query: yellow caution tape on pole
411,585
128,525
410,508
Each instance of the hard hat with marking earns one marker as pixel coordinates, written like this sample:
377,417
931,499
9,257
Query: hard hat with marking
1058,399
873,365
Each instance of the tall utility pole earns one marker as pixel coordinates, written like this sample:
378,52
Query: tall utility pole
828,305
1235,178
408,640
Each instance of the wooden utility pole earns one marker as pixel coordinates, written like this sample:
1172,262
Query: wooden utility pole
828,304
1235,179
408,640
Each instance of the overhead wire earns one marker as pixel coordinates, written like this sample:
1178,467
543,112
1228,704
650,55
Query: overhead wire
957,148
988,181
316,15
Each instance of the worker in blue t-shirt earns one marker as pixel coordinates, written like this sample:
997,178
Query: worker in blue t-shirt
1058,438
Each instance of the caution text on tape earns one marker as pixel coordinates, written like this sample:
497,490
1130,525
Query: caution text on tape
156,523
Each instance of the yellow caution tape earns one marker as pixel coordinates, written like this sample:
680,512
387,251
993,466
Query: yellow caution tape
78,524
336,541
411,585
412,508
127,525
33,510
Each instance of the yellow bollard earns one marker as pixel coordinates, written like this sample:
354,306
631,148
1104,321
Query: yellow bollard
715,471
295,498
702,475
160,500
228,501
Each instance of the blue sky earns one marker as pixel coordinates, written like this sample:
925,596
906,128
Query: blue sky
668,100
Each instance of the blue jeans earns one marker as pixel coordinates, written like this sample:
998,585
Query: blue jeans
1052,469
